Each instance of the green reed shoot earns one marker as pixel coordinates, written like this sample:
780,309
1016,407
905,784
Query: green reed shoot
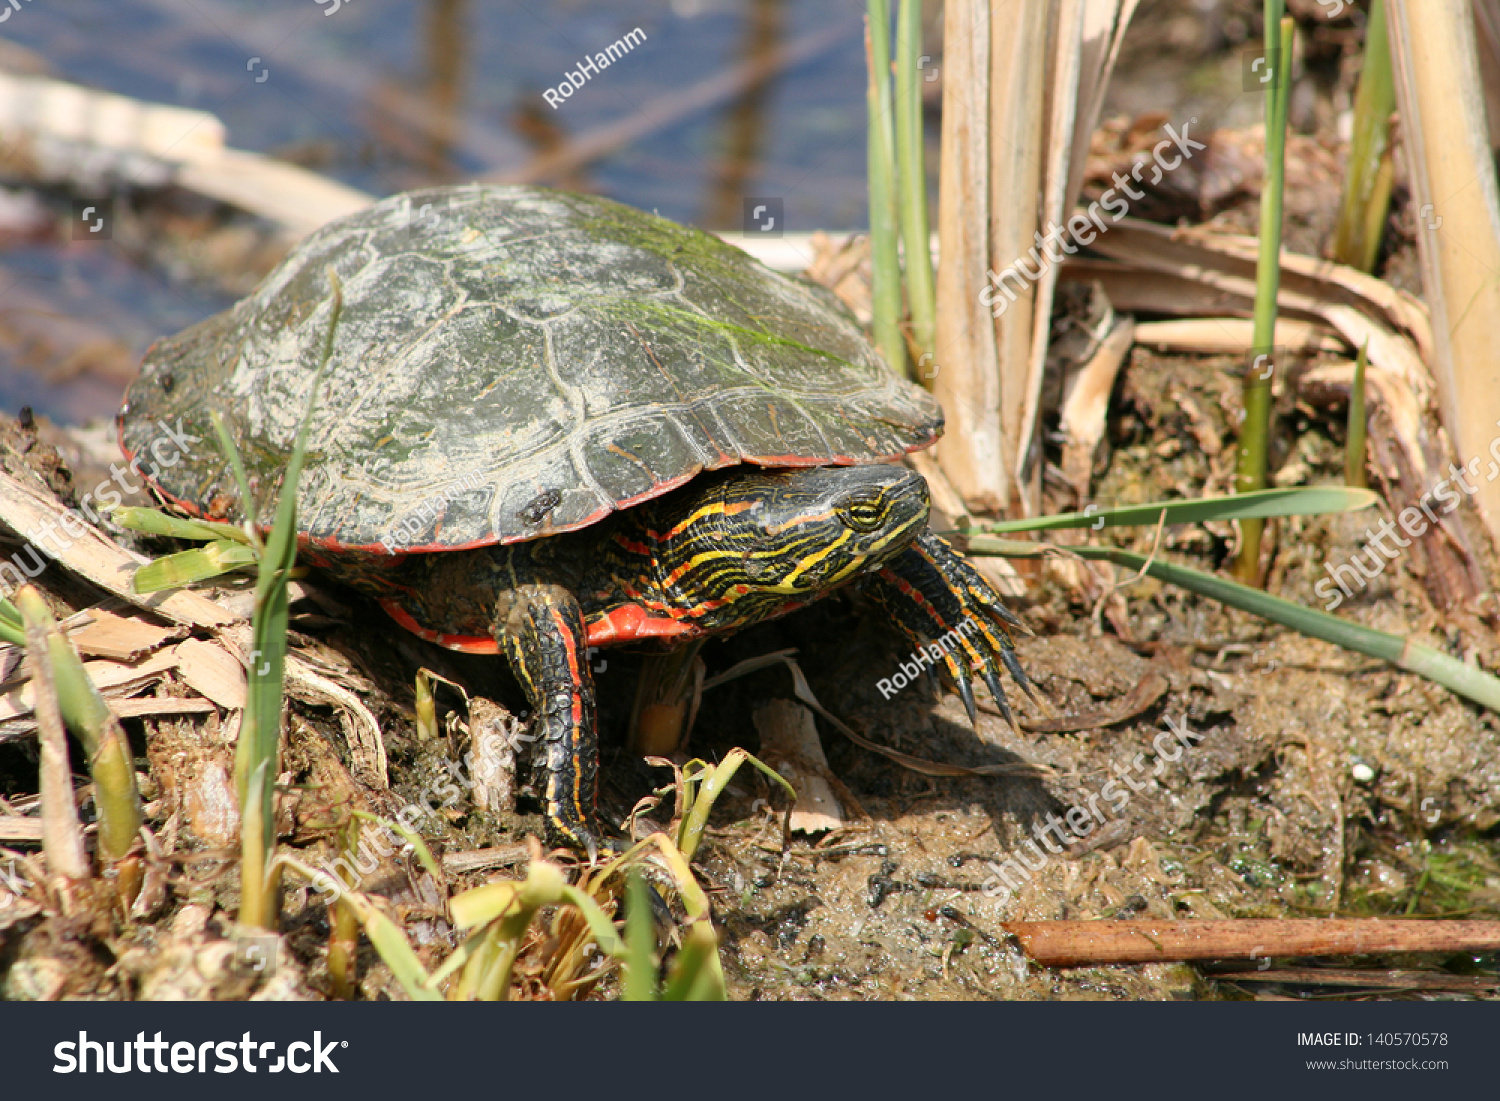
256,762
885,256
1367,183
1405,653
89,719
916,237
1255,434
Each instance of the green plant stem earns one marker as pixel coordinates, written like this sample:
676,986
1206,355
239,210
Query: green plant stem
1256,431
911,178
1294,501
885,257
1468,681
1366,199
12,626
713,780
257,752
89,719
640,941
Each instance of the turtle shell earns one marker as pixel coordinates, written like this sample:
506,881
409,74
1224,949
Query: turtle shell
511,362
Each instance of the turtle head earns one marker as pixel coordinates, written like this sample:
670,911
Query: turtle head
800,532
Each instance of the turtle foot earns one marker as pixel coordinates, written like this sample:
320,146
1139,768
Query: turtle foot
952,613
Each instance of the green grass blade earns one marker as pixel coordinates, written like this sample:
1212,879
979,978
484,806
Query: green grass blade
260,733
693,977
640,941
1296,501
1466,680
597,920
1255,433
84,712
711,783
885,257
1354,439
391,943
483,904
1366,200
190,566
12,626
255,788
153,521
911,176
236,467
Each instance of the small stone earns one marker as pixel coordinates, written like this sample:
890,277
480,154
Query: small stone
1362,773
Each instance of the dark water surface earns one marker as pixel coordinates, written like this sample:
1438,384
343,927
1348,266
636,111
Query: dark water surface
387,95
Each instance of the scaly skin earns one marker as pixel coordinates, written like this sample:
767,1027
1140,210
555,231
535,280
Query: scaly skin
726,551
930,590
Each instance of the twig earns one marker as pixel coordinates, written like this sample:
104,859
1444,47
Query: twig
1075,943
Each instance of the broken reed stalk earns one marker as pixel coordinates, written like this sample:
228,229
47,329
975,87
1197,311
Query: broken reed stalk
885,257
1367,180
1354,436
343,933
61,677
1260,374
1451,173
1079,943
425,707
911,177
62,835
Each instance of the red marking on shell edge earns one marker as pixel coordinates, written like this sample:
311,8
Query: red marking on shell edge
186,506
469,644
332,543
630,622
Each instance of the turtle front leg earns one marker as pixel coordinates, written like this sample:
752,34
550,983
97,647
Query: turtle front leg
541,629
938,599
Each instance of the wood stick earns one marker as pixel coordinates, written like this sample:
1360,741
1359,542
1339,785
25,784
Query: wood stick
1075,943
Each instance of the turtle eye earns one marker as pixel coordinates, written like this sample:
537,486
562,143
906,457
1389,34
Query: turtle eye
865,512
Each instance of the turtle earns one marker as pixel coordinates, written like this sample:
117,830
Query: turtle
551,422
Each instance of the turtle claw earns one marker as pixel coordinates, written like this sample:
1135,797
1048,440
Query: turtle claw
1017,674
966,693
992,682
937,598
